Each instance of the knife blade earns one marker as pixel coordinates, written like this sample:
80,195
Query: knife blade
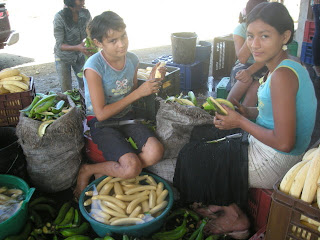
236,135
111,123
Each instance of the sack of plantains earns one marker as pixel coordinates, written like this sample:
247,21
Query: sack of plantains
50,132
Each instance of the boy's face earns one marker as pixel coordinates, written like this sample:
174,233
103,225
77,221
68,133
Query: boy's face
115,45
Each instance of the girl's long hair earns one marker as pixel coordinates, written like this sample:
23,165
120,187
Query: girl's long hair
67,13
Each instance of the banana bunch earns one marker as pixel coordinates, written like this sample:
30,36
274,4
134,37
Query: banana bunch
215,105
188,100
13,81
302,181
46,223
91,47
68,222
41,212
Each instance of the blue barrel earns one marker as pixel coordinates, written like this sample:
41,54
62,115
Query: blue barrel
203,54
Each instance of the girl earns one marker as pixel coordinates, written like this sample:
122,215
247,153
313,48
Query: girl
285,115
110,82
69,31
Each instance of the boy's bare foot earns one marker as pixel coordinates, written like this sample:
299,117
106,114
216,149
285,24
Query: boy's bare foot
82,180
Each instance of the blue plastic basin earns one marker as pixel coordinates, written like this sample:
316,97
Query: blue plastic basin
141,230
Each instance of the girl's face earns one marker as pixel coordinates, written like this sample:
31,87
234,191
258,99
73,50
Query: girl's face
115,45
79,4
264,41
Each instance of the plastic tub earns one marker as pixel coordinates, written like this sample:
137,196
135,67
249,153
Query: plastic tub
16,222
142,230
184,47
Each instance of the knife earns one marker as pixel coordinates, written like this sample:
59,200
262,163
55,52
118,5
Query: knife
110,123
236,135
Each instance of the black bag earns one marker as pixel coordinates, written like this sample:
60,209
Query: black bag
213,173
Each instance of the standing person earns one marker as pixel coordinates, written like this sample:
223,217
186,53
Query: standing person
285,116
246,72
111,86
316,38
69,31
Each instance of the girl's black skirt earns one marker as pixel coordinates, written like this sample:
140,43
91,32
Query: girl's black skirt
213,173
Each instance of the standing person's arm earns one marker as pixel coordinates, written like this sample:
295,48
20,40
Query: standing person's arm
77,48
242,51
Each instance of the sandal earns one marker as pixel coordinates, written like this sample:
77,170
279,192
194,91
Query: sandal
210,211
232,222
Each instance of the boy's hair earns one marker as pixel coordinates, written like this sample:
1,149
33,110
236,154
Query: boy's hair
275,14
100,25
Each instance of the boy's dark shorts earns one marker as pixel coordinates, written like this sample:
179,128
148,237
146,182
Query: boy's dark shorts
112,140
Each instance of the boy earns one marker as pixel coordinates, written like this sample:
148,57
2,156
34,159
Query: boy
110,82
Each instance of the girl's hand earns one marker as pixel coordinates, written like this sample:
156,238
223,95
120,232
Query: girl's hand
230,121
86,51
149,87
240,108
244,76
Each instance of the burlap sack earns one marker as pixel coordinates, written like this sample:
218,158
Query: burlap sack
175,123
53,160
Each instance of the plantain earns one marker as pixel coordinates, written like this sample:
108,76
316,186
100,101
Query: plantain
225,102
193,98
62,213
9,72
82,229
12,88
68,217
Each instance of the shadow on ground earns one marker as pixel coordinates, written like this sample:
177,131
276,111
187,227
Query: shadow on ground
12,60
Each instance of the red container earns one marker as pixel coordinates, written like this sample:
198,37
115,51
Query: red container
92,151
12,103
309,29
259,201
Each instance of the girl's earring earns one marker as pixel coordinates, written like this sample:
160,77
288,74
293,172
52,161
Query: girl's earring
284,47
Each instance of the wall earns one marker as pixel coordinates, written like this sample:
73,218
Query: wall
303,16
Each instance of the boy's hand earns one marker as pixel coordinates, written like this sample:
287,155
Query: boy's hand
149,87
162,70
